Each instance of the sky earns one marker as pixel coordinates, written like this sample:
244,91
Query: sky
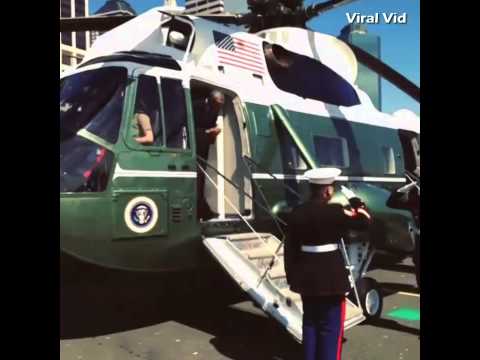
400,43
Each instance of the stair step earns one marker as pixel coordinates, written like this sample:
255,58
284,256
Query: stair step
248,236
352,311
261,252
280,283
247,245
278,271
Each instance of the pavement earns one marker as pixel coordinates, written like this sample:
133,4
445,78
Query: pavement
128,317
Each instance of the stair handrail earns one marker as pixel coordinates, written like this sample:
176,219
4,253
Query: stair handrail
238,188
274,256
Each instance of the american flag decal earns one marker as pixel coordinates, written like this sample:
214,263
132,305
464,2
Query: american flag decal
239,53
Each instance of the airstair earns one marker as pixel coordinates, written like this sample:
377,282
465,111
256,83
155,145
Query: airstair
256,262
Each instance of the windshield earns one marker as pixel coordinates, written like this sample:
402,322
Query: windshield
84,166
93,100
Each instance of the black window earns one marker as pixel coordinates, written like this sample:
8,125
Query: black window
175,113
291,156
65,8
411,150
307,77
79,8
84,166
148,103
65,12
93,100
67,38
331,151
81,40
66,58
80,36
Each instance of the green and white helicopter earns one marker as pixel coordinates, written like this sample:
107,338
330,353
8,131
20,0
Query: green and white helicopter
291,103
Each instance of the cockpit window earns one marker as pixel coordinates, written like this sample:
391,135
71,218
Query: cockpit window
93,100
175,113
147,123
84,166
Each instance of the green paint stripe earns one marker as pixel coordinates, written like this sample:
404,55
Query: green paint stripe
405,314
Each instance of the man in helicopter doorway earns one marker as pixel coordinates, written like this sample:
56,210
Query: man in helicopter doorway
315,266
206,114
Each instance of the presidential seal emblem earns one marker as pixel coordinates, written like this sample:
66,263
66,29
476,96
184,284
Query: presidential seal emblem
141,215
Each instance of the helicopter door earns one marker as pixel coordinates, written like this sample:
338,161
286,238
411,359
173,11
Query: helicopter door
225,157
234,146
155,178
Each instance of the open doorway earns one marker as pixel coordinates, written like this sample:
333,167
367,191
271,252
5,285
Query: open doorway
223,149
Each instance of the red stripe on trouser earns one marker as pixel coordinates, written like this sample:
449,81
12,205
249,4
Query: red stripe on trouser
342,327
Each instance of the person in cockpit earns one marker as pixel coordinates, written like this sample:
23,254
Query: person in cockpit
145,131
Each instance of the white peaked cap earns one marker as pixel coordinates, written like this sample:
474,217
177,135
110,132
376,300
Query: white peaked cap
322,176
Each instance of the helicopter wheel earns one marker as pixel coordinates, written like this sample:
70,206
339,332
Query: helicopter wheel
371,298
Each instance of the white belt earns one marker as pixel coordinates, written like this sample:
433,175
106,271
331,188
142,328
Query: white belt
319,248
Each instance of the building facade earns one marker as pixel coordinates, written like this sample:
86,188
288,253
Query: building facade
112,8
204,6
73,46
367,80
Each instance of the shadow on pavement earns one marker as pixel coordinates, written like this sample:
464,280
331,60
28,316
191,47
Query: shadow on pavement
242,335
393,288
96,301
393,325
100,302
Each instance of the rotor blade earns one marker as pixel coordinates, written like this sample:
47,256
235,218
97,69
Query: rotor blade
93,23
314,10
386,72
222,18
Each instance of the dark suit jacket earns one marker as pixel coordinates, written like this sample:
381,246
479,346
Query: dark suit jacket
406,201
318,274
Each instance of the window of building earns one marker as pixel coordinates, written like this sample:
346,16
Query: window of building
67,38
65,8
307,77
81,40
79,8
331,151
175,113
66,58
389,167
93,100
148,103
79,59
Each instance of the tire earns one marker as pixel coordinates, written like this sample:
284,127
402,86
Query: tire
371,298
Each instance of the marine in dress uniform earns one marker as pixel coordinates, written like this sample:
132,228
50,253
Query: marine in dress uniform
315,266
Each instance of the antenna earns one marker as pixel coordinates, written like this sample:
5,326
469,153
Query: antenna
170,3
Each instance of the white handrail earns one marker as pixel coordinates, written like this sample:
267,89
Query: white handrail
274,255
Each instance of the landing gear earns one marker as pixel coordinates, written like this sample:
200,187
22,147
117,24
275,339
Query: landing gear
370,297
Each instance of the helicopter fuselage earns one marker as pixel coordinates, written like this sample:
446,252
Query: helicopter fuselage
133,206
